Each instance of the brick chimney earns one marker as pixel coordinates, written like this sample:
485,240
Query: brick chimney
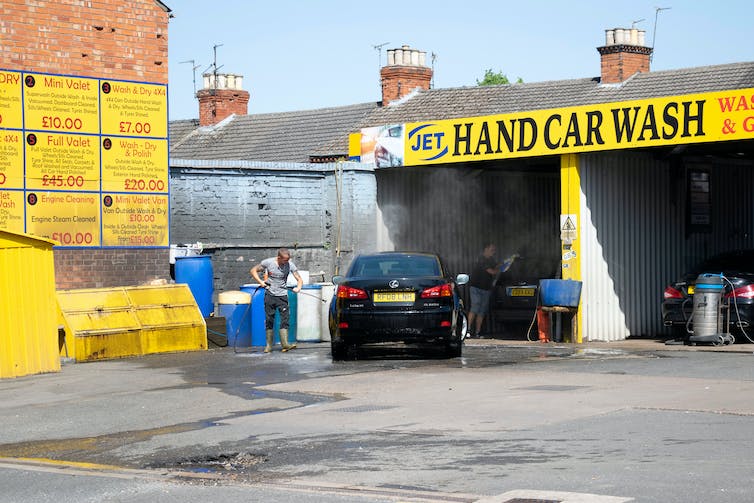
623,55
405,71
222,96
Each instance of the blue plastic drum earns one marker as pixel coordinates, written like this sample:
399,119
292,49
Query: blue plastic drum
235,307
196,271
258,337
256,314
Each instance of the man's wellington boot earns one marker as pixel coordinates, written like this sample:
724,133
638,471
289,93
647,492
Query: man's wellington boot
284,340
270,334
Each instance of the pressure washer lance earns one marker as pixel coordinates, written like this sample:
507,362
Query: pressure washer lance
301,292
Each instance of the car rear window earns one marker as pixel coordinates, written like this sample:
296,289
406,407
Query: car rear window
392,265
742,261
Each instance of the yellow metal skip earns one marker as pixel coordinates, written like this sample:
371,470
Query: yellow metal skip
106,323
570,201
28,309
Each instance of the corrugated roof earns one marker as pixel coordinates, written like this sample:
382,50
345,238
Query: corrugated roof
299,136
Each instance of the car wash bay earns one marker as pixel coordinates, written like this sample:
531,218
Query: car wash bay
643,216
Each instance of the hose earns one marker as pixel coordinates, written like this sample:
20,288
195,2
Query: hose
738,314
534,318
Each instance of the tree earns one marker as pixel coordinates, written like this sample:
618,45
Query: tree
495,78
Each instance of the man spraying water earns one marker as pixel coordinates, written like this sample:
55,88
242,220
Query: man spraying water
276,295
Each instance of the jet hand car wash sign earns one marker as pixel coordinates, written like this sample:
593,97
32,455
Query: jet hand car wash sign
699,118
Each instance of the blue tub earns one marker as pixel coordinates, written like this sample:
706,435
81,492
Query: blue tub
559,292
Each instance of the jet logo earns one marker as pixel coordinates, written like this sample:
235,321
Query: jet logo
427,144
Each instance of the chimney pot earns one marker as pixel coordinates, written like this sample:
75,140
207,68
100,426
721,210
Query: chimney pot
405,71
623,55
221,97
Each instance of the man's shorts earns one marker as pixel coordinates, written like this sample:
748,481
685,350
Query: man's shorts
480,300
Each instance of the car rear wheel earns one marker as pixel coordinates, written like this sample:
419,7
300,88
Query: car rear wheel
339,351
454,348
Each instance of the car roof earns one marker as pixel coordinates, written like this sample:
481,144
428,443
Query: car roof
395,253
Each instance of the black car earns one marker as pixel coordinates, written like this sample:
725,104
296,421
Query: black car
737,268
397,297
515,295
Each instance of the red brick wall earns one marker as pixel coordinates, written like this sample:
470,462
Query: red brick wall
105,267
125,40
619,62
398,81
217,104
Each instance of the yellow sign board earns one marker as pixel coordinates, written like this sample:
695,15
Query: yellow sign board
11,159
84,161
61,161
59,103
709,117
134,165
11,115
70,218
132,109
12,210
135,220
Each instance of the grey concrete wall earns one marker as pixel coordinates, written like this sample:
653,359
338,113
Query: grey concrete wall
241,215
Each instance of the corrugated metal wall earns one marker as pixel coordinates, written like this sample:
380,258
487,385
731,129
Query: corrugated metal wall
453,211
635,239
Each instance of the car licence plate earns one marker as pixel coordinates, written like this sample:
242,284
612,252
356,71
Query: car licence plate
690,289
393,296
521,292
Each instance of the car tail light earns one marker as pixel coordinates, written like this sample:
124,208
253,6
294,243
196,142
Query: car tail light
351,293
437,291
745,292
343,324
672,293
445,324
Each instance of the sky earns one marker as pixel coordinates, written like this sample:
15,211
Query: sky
309,54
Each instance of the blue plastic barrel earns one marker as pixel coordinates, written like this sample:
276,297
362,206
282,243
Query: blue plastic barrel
293,314
258,336
235,307
196,271
257,313
559,292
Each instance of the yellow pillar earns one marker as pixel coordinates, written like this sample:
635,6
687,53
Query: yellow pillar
570,224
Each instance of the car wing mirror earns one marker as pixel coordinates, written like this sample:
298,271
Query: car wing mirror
462,279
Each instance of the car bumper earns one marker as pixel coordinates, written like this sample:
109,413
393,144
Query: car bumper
411,327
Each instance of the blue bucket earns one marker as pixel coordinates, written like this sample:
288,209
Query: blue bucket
559,292
196,271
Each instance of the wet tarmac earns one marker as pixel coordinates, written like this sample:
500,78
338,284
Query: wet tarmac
401,420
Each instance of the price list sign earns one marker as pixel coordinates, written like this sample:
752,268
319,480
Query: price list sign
71,219
135,220
84,161
11,153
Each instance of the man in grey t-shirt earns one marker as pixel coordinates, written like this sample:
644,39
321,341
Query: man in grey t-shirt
276,295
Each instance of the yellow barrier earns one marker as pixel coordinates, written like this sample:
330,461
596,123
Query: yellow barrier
106,323
28,324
